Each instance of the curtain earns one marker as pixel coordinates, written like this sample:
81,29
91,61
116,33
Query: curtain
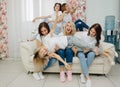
20,26
3,30
20,14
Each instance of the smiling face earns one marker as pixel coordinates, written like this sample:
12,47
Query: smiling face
92,32
69,28
57,7
44,31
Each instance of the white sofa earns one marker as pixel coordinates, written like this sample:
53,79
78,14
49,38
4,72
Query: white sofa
99,66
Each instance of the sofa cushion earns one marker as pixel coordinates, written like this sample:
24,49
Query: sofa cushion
98,60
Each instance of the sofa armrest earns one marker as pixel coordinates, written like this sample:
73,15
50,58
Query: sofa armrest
110,47
30,46
106,45
27,50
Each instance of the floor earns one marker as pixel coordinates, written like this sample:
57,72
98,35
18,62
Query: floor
13,74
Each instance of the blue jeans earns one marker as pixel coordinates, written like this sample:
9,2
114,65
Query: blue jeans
50,63
79,24
67,53
57,30
53,60
85,61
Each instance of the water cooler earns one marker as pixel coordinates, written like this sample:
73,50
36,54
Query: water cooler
118,44
110,31
111,34
118,27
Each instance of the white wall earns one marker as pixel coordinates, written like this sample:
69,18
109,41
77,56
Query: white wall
98,9
48,6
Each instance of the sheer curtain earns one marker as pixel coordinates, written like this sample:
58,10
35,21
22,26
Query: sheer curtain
20,14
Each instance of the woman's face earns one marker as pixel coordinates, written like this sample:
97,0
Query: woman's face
67,8
44,31
57,7
92,32
43,52
68,28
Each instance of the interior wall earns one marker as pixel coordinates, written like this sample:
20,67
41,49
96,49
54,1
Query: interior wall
48,6
98,9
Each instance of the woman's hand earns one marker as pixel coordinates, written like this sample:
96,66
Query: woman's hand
74,49
67,66
34,20
86,50
65,12
56,48
96,50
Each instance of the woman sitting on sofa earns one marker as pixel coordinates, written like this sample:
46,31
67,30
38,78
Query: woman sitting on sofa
87,55
41,60
67,53
43,30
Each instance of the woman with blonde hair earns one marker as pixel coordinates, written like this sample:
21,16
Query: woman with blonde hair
69,31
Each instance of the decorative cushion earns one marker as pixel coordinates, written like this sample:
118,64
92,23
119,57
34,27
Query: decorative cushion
80,34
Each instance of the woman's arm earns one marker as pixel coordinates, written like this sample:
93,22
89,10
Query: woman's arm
74,49
54,26
62,16
54,55
39,44
42,17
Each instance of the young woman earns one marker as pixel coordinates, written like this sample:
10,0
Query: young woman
68,30
41,59
57,11
67,16
87,55
43,30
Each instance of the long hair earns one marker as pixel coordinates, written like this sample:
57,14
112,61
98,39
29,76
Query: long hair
39,62
98,30
63,7
72,26
45,25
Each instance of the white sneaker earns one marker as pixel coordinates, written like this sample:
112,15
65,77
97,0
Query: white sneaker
88,83
36,76
83,80
112,63
41,75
